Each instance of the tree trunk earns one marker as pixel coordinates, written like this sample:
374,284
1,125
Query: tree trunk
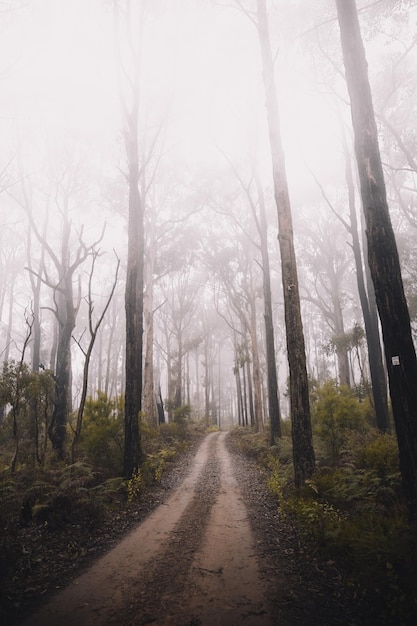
206,380
376,367
303,452
382,252
66,324
273,401
239,396
149,403
250,392
339,338
107,390
256,371
134,310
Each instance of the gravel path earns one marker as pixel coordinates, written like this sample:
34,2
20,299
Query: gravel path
192,561
212,552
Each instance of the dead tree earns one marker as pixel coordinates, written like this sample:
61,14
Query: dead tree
93,330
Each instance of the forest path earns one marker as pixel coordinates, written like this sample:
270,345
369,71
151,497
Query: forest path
192,562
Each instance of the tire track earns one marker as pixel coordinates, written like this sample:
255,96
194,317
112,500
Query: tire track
228,589
166,574
108,588
191,562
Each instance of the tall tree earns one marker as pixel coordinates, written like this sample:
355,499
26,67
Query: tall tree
136,237
273,399
367,300
303,452
382,252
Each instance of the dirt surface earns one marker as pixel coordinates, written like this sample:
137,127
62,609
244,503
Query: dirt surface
215,552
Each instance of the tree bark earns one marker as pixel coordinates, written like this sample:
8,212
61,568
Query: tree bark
273,401
66,317
134,290
376,367
134,309
149,398
256,368
382,252
303,452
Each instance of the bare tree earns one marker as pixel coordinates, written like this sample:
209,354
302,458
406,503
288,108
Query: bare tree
93,330
65,307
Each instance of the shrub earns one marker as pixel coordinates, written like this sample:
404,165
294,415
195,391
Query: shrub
336,413
381,455
102,436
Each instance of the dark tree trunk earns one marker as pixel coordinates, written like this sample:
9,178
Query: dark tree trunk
376,367
129,87
134,310
206,380
66,314
148,399
250,393
160,407
303,452
382,252
256,394
238,396
178,384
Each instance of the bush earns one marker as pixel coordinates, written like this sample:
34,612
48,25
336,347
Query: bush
351,512
336,413
381,455
102,435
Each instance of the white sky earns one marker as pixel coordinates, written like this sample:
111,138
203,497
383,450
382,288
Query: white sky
201,68
203,60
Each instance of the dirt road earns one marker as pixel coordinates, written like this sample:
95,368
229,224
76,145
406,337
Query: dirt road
192,562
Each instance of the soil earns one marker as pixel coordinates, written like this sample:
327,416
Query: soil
211,550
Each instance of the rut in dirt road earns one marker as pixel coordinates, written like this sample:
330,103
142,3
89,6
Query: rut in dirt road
191,562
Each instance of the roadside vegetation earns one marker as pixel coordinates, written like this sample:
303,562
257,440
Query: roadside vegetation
352,513
56,515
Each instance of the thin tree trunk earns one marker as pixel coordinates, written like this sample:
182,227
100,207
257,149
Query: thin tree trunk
273,400
256,371
149,403
250,393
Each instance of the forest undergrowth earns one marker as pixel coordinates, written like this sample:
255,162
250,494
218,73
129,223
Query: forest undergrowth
351,514
57,517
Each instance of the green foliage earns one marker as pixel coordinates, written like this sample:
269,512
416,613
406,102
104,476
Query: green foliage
352,512
274,477
134,486
319,521
157,462
181,417
250,443
14,381
29,399
336,413
102,435
381,455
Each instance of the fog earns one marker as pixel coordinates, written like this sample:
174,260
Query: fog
66,86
